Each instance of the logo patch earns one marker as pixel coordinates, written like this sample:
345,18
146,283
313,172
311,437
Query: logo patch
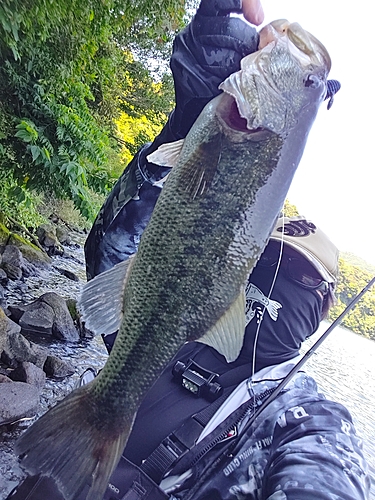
298,228
256,296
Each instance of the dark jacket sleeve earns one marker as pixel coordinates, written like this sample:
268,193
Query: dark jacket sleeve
208,50
316,453
118,227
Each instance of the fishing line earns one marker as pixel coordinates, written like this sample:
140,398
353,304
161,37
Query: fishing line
255,343
307,356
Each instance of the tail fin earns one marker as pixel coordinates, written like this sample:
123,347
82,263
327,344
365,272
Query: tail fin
73,448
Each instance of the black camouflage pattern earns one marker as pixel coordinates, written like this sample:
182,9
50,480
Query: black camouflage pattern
302,447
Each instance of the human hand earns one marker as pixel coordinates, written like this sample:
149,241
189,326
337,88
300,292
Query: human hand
206,52
253,11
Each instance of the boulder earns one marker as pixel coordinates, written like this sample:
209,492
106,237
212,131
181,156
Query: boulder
84,332
63,327
47,315
7,327
47,237
12,262
19,349
15,348
37,318
68,274
17,400
30,252
30,374
3,275
58,368
63,235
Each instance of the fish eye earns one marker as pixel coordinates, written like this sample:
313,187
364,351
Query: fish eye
312,81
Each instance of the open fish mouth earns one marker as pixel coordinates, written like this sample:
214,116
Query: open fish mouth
257,97
302,44
232,117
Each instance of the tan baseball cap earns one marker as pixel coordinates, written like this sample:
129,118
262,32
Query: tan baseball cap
306,238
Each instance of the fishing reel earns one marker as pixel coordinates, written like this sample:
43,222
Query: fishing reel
197,380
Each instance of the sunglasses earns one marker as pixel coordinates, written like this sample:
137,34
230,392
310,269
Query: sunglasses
296,268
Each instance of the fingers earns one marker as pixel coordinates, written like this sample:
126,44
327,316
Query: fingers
253,11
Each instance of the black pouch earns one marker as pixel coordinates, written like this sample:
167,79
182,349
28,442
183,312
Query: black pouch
127,482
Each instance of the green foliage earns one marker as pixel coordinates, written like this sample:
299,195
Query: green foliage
135,132
18,202
352,279
354,260
65,211
289,209
66,74
354,274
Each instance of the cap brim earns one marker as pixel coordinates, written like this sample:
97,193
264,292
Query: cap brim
308,256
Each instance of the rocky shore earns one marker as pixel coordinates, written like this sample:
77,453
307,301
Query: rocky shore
44,346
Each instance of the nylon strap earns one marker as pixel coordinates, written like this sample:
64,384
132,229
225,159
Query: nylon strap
179,442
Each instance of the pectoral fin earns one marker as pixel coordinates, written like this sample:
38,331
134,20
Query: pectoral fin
199,171
167,154
227,335
101,300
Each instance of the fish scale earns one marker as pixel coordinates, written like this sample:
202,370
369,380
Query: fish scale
228,182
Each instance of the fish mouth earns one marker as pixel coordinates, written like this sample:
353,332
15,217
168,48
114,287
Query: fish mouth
232,117
288,61
306,48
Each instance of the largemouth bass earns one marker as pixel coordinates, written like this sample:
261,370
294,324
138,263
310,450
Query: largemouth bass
210,225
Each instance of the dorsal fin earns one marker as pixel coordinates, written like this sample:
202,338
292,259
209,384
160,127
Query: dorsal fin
101,301
227,335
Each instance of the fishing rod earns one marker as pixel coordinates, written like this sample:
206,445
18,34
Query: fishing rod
307,355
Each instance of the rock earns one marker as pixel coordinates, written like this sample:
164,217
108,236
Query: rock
68,274
4,379
63,235
63,327
15,348
3,276
17,400
16,312
84,332
7,328
20,349
30,252
30,374
37,318
3,302
57,368
47,315
47,237
15,265
12,262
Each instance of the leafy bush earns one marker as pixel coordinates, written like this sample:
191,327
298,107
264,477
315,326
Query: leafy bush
17,202
66,74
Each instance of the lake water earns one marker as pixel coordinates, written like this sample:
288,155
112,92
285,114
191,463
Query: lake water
344,368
